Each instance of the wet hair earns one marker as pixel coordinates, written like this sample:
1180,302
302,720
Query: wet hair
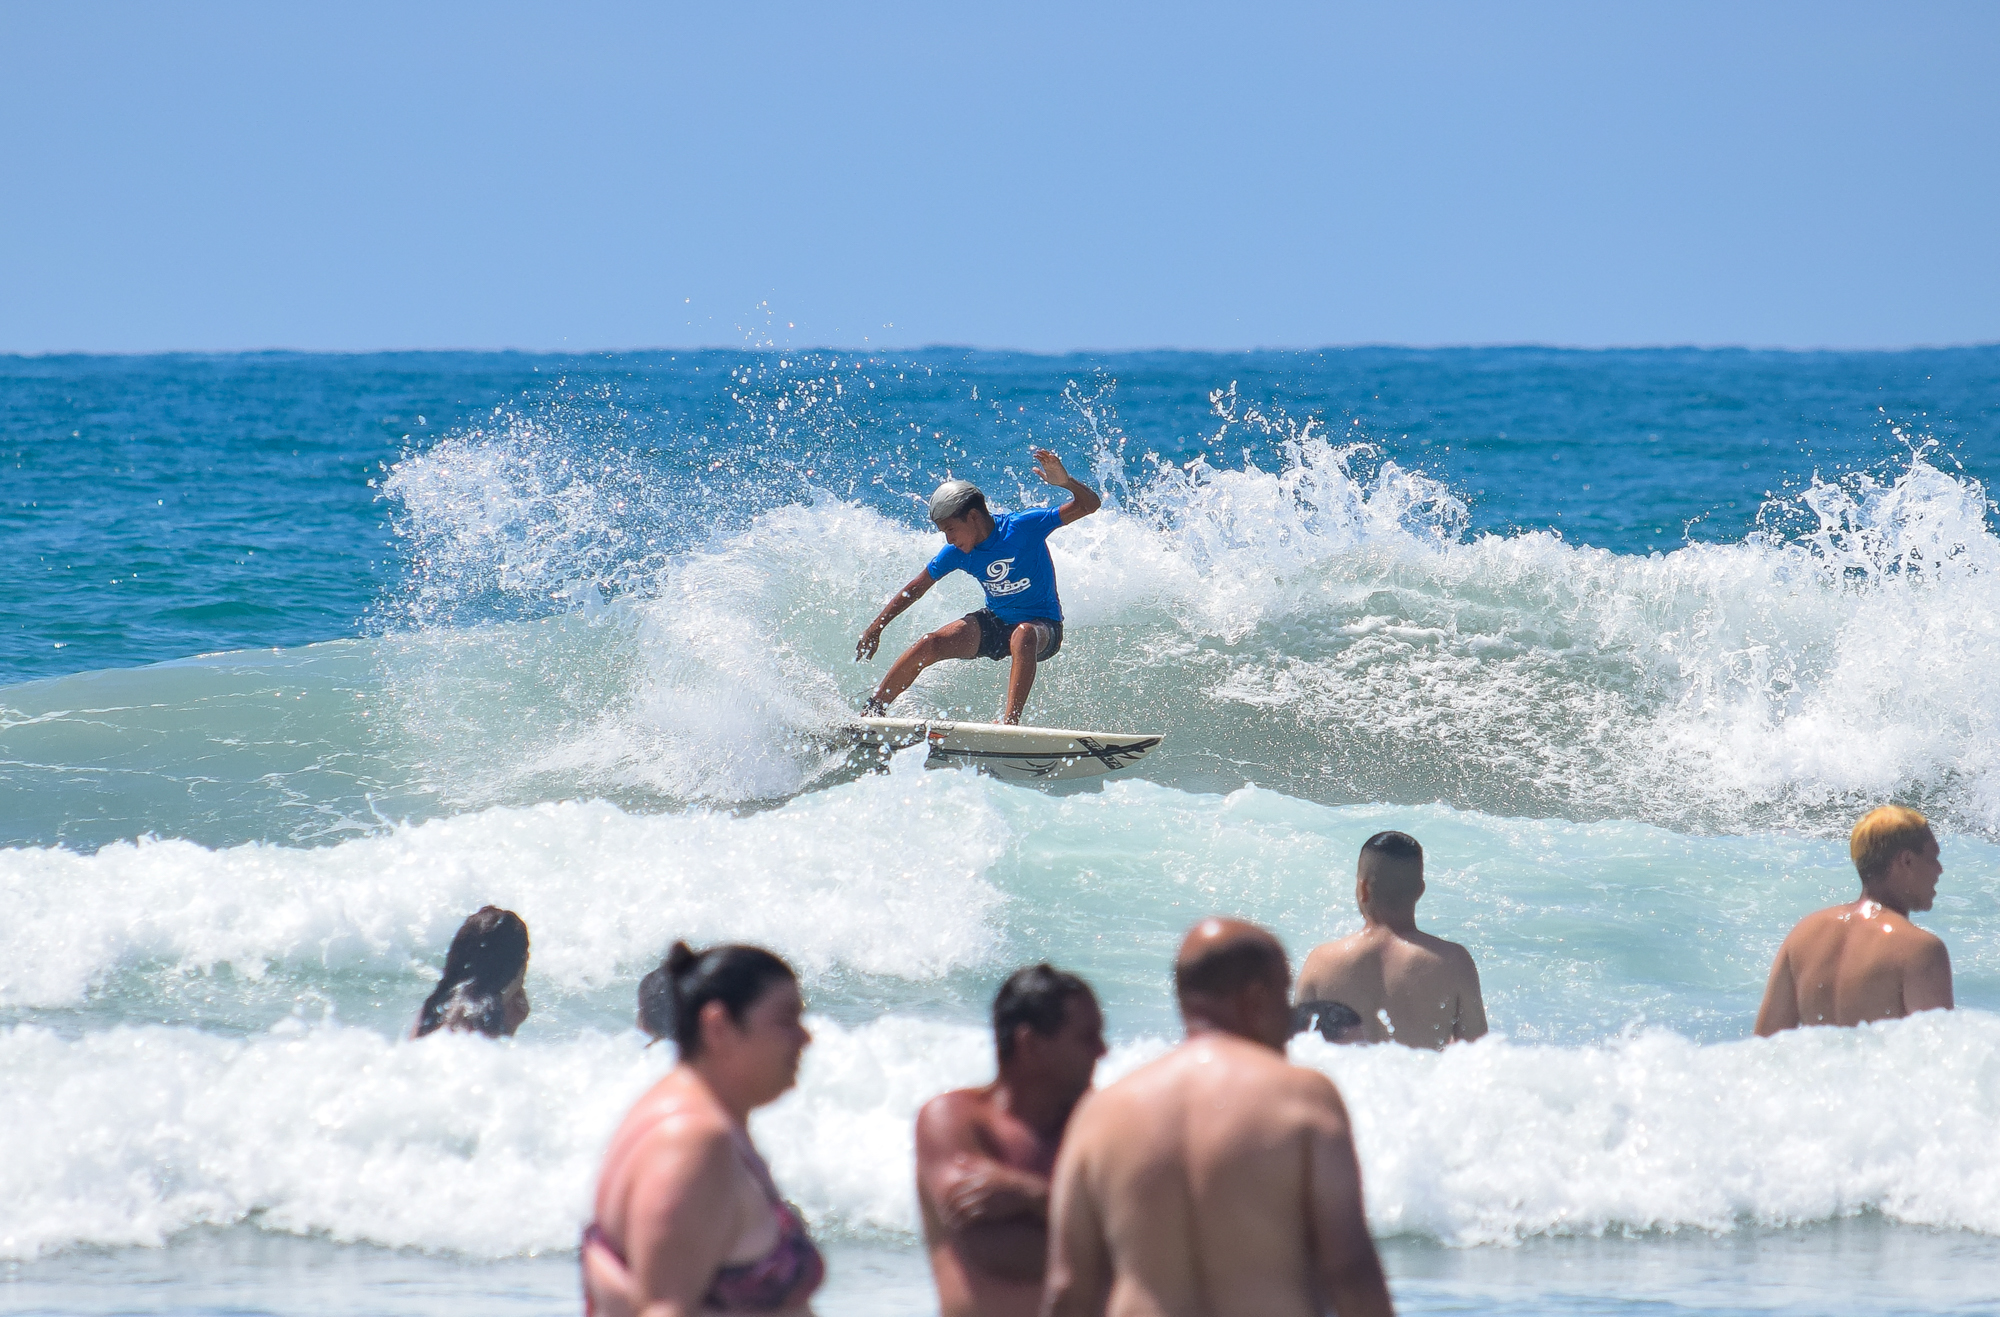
1231,967
1394,865
1036,996
1330,1018
671,997
488,953
1882,835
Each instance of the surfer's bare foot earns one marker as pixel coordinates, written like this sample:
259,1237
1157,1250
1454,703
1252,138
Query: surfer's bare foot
873,708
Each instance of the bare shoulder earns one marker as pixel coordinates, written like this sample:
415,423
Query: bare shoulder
1330,959
1819,923
1447,951
1316,960
957,1105
951,1117
1317,1098
685,1148
1099,1116
694,1128
1925,944
1144,1089
1305,1082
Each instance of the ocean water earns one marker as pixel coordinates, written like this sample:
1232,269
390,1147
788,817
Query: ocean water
306,657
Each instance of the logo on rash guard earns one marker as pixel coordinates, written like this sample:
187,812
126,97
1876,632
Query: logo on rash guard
996,581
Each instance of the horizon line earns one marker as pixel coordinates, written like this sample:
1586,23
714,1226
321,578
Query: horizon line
870,350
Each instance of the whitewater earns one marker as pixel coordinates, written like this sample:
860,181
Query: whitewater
595,681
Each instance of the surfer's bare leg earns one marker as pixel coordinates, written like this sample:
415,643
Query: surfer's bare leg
1026,644
953,640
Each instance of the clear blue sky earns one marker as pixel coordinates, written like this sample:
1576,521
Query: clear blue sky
217,176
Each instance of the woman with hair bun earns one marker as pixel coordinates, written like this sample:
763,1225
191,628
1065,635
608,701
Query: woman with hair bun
482,989
688,1219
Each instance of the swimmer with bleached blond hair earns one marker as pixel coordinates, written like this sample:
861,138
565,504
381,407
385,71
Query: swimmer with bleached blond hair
1850,964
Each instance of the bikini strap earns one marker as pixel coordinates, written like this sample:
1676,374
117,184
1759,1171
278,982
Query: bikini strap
755,1162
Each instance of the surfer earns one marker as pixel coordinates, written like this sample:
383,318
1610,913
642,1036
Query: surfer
1865,960
1009,556
1404,984
1217,1179
984,1154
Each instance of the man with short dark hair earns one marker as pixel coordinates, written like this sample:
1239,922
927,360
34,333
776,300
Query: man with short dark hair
1009,556
1406,985
984,1154
1865,960
1217,1180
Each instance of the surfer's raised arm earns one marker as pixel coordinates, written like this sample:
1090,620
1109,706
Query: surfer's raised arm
919,586
1083,500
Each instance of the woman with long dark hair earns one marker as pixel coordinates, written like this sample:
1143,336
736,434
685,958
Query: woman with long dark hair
688,1220
484,972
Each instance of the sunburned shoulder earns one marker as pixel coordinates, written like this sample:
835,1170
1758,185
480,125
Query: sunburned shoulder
957,1106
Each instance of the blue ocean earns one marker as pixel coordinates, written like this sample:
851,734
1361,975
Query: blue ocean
305,657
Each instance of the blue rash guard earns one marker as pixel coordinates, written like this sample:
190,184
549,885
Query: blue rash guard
1012,565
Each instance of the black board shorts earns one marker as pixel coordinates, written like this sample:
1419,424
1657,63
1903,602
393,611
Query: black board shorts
995,636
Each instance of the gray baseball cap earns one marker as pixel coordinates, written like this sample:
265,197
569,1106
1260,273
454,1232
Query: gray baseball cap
952,498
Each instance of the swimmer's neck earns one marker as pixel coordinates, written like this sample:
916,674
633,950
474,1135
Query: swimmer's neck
1199,1027
1034,1105
735,1105
1887,900
1402,923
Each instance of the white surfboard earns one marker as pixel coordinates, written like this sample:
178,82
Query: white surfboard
1024,754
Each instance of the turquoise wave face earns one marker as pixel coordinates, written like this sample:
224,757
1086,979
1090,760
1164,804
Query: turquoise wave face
1312,630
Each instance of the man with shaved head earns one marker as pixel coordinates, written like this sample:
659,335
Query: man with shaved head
1218,1180
1406,985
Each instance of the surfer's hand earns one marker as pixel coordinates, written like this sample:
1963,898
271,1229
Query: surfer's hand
864,649
1050,468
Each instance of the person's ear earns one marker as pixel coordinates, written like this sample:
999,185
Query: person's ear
1897,871
1026,1040
713,1021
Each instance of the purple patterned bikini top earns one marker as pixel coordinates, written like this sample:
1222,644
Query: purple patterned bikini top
784,1277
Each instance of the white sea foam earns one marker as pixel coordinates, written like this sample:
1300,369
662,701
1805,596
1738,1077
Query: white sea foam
930,883
1494,1143
458,1144
133,1134
882,877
